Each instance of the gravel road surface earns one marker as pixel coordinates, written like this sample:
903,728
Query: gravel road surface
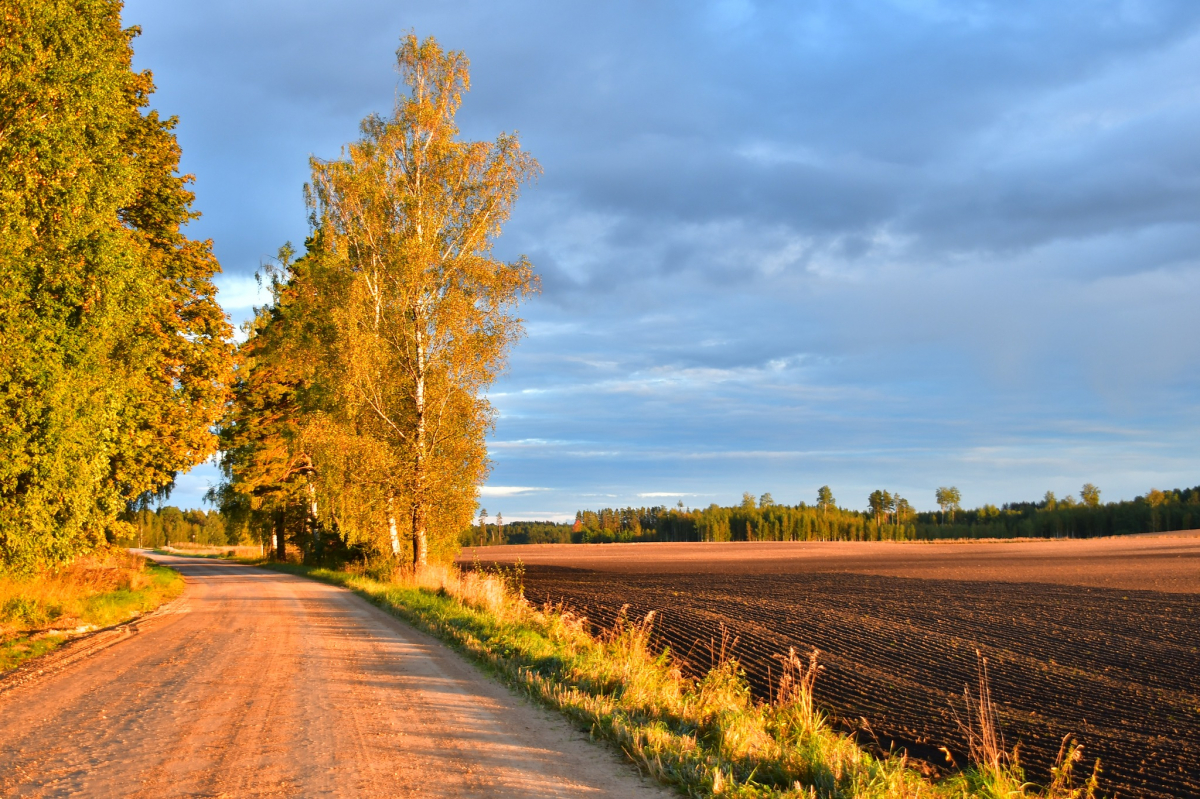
265,684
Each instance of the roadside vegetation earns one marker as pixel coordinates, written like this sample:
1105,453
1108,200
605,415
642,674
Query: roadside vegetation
707,736
116,356
359,415
39,612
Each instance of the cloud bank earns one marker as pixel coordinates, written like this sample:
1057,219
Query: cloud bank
871,245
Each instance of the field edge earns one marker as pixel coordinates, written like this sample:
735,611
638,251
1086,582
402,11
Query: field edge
638,701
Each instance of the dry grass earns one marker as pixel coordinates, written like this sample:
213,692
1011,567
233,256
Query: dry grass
39,612
709,736
996,770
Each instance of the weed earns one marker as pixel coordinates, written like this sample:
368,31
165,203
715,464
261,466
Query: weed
996,771
707,736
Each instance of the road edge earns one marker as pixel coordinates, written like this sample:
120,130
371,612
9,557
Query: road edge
83,646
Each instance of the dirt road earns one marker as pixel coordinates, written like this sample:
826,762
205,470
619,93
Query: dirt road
264,684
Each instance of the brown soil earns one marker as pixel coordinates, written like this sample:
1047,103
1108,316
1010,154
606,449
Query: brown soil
1075,643
1170,562
267,684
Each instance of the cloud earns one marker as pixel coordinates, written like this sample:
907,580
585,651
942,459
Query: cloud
507,491
240,293
781,245
191,486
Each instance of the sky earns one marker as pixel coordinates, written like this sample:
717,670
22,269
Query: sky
892,244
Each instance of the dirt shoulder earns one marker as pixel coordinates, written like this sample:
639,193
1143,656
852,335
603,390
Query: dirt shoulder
76,607
270,684
1170,562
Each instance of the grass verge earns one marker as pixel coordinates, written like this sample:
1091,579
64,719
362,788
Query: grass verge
707,737
41,612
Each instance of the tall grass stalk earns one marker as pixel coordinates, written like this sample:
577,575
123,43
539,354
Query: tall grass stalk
707,736
996,771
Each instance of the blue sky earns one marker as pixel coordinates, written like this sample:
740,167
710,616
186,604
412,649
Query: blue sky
870,244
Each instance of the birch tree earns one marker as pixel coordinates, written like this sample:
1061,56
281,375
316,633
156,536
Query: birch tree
409,213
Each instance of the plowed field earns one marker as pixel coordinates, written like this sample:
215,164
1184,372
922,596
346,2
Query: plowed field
1116,666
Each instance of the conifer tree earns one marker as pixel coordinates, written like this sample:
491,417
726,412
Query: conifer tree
267,469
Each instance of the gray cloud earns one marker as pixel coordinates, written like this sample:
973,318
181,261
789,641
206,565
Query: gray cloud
863,243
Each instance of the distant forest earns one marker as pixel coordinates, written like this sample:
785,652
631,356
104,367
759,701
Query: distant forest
763,520
889,519
170,525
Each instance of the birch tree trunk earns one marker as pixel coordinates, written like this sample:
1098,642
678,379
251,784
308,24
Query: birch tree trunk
314,529
420,498
395,535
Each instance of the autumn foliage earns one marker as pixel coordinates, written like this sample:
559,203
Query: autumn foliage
114,355
359,413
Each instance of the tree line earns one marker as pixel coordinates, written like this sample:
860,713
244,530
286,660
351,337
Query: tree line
1086,517
169,525
358,415
353,415
889,517
1051,517
114,355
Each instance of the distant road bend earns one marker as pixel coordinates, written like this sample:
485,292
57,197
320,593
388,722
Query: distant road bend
265,684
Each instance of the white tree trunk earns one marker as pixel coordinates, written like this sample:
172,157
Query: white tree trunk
312,512
420,536
392,530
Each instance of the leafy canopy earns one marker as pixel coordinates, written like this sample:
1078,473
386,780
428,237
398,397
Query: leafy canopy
114,354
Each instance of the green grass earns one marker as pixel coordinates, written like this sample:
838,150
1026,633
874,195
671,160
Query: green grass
39,613
15,652
706,737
